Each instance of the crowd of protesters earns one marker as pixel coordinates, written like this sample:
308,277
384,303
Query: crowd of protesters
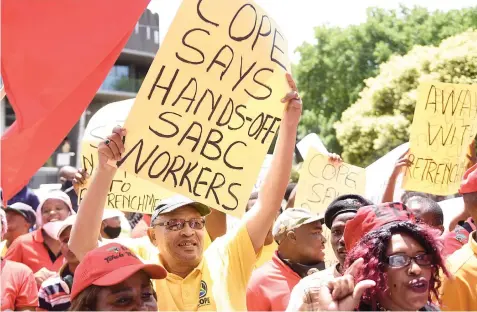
395,256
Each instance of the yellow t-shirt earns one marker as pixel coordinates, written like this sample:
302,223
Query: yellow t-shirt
3,248
267,254
219,283
460,291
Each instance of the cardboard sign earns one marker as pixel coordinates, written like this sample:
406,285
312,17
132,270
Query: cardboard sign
378,173
321,182
210,106
127,192
444,125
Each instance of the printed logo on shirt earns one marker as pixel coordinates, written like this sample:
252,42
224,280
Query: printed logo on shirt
203,301
114,249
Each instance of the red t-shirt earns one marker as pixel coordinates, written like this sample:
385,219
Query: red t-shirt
18,286
270,287
30,250
454,240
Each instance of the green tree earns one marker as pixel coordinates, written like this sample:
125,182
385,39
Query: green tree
381,117
331,72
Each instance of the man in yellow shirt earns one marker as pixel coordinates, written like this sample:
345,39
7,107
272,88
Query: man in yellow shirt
460,291
217,278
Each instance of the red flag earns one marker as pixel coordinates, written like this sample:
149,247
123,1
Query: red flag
55,55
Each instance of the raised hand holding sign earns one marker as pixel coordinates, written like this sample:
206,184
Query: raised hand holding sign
210,105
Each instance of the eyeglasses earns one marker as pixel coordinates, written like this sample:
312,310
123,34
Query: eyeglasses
178,224
401,261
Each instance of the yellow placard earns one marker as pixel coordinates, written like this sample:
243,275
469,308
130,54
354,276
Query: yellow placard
321,182
210,106
127,192
444,126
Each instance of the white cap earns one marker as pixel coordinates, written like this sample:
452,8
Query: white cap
60,226
112,213
53,195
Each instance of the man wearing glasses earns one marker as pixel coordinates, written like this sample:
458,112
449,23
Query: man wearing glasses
198,280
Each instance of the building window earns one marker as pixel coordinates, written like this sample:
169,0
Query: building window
118,79
136,28
148,33
156,36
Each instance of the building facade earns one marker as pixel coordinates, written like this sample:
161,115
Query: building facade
123,82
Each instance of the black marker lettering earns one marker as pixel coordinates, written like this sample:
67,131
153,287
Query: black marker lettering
197,62
241,38
167,88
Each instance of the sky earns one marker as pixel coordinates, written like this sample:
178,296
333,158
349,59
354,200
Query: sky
297,18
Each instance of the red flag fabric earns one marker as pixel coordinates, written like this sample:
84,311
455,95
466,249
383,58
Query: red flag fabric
54,57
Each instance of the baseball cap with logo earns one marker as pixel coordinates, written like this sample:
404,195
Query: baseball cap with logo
290,219
175,202
109,265
370,218
24,210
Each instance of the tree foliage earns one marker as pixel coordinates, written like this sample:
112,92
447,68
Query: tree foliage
381,117
331,72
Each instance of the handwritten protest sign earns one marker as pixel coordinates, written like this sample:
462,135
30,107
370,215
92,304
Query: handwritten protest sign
210,106
127,192
378,173
444,125
321,182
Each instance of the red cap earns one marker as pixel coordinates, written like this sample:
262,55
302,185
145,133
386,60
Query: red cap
372,217
110,265
469,181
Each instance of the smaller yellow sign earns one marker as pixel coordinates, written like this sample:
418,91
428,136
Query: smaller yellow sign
444,126
322,181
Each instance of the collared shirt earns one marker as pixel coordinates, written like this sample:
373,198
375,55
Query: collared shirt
54,293
30,250
218,283
460,291
18,286
454,240
270,286
267,254
296,302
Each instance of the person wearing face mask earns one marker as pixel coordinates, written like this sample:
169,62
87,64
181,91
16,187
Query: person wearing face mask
111,225
112,278
40,249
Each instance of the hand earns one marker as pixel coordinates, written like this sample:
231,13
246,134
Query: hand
402,162
42,275
294,105
79,180
334,158
112,147
340,294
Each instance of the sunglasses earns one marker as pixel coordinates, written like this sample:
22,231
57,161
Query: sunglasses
178,224
401,261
